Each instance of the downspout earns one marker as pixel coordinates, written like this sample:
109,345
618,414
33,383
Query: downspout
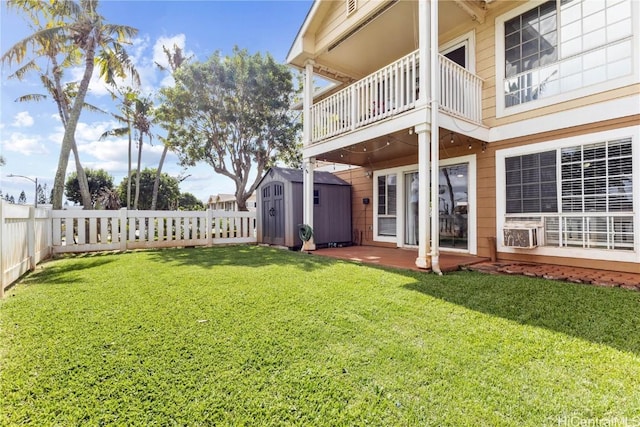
434,62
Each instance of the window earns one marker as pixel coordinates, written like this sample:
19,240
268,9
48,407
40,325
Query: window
316,197
582,194
387,191
531,183
563,45
597,177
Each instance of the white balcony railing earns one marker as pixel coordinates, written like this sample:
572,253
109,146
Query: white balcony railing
393,90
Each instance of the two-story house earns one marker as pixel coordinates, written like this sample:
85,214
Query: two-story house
508,127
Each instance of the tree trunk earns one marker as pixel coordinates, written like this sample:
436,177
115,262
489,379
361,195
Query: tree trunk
129,169
135,203
63,111
156,183
68,141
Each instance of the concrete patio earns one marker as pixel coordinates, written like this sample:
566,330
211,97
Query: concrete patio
449,261
398,257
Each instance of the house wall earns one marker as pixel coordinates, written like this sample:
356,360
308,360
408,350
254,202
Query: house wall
362,187
486,69
487,195
362,217
336,22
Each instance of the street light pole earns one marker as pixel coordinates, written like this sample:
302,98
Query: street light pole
35,181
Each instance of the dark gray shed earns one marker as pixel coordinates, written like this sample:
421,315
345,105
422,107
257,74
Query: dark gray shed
279,208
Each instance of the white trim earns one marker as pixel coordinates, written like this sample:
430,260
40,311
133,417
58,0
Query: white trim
399,238
502,111
469,41
472,210
613,109
399,172
606,255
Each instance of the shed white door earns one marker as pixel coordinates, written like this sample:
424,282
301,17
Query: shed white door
273,213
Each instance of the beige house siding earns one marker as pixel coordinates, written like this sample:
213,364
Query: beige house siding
336,21
487,196
486,69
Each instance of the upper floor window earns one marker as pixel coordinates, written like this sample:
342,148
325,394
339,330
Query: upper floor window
561,46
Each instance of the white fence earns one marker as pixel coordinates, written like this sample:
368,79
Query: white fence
29,235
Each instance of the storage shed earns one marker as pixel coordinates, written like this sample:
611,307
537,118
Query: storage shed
279,208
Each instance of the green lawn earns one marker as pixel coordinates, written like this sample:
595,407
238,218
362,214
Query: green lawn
250,335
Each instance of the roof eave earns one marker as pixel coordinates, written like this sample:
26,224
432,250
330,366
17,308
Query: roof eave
297,48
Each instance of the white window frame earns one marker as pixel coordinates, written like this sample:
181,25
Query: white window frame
469,41
502,111
399,172
600,254
472,209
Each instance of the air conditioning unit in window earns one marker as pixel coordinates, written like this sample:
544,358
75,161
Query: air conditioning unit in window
524,237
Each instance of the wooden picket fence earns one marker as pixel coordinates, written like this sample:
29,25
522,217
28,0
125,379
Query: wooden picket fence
28,235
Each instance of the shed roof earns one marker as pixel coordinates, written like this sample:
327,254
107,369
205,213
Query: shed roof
295,175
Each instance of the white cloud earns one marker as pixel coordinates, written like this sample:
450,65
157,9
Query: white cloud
22,120
24,144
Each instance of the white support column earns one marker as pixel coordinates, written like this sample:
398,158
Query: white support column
308,163
424,189
434,83
308,166
307,102
423,53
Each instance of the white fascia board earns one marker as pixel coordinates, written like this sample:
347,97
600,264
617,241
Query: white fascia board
297,48
463,126
403,121
613,109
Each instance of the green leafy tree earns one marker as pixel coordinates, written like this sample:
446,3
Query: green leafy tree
22,199
168,195
232,113
2,161
98,180
41,191
72,29
189,202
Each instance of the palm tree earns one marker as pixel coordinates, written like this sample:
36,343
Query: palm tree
126,96
142,125
51,77
175,58
70,28
136,115
109,199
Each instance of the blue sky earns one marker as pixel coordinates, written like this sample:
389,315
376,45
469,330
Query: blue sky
30,133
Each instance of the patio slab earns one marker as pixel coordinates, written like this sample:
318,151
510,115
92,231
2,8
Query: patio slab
397,257
405,259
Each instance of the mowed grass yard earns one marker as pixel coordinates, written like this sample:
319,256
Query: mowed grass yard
250,335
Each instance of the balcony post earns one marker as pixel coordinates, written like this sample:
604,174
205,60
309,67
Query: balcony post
423,53
307,101
308,166
424,239
434,83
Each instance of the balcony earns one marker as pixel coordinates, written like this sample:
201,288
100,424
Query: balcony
393,90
